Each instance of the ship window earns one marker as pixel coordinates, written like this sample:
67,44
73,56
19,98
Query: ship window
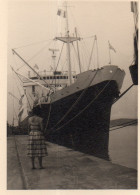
33,89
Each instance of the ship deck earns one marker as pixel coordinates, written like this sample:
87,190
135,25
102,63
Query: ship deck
64,169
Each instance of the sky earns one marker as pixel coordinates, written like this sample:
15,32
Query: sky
37,22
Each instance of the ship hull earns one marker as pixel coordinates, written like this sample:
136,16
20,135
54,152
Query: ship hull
86,127
78,116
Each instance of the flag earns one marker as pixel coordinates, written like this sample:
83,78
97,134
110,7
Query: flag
23,114
132,7
61,12
36,66
110,47
23,110
64,15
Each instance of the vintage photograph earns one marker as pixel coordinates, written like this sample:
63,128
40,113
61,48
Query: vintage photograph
72,95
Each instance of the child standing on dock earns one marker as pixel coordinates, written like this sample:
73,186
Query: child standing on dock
36,144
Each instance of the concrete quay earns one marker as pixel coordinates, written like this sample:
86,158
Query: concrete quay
64,169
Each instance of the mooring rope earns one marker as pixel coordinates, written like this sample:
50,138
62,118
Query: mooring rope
123,93
124,125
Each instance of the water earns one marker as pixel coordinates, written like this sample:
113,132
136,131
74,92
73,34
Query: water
123,146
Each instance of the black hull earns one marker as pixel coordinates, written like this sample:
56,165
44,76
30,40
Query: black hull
89,131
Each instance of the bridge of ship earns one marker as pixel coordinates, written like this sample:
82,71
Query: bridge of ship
49,79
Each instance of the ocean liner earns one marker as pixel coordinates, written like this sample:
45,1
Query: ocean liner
75,107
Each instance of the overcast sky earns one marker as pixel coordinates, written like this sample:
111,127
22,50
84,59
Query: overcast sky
35,21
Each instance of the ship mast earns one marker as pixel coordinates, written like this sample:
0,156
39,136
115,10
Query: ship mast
67,39
68,47
78,51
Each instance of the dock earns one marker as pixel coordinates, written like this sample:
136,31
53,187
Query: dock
64,169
